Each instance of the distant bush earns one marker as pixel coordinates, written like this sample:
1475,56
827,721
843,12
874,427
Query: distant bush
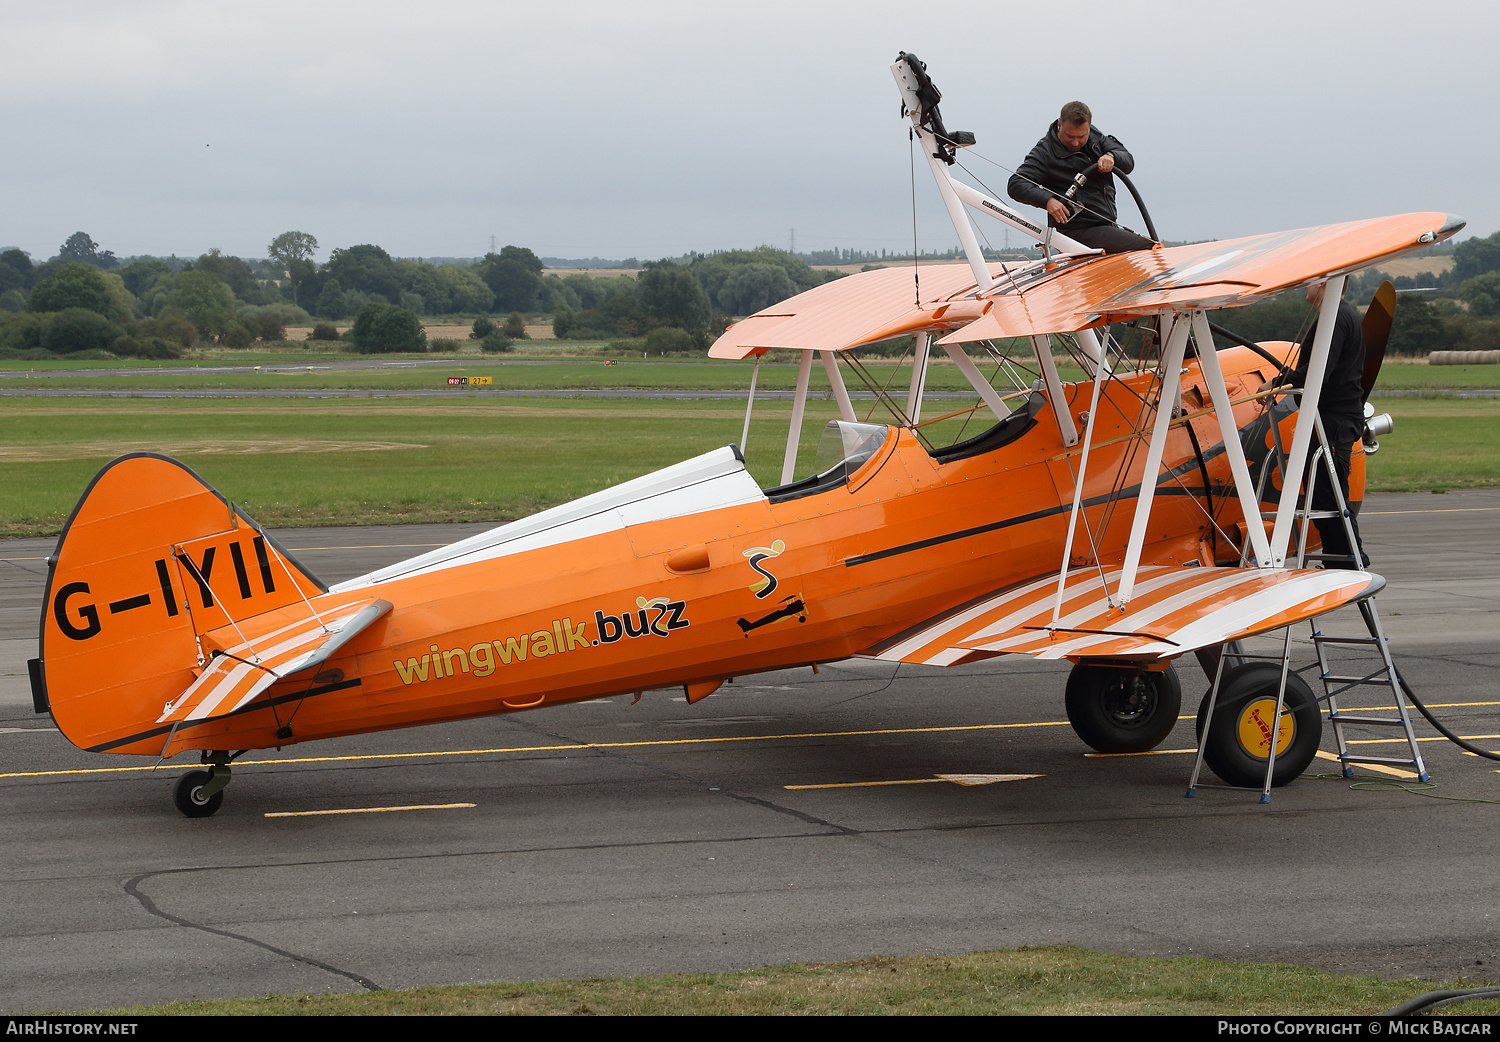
170,327
387,329
13,300
79,329
30,354
1482,294
324,331
137,346
495,343
72,286
22,333
156,338
483,327
238,334
515,326
290,314
270,327
670,339
443,345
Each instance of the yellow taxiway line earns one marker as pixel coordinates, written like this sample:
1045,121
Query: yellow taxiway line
365,810
951,779
435,754
551,748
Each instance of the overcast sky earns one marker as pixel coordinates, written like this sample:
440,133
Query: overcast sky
654,128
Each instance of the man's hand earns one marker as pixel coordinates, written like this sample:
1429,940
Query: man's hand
1058,210
1106,162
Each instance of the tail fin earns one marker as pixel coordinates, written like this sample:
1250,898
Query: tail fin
151,559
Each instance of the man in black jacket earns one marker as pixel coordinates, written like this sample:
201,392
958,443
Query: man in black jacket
1341,408
1071,146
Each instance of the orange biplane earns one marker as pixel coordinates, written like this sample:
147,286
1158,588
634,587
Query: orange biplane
1115,523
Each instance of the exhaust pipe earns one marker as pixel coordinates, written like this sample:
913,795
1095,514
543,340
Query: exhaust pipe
1375,427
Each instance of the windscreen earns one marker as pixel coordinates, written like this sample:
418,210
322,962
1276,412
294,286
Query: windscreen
849,443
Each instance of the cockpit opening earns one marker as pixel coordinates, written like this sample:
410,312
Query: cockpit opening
843,449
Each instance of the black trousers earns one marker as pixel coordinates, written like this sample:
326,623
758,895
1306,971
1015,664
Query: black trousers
1331,529
1107,237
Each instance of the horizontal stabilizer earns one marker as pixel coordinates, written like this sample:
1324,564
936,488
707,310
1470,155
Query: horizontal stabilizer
267,649
1174,610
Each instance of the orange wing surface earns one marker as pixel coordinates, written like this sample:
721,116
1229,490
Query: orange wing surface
1175,610
1074,292
857,309
1204,275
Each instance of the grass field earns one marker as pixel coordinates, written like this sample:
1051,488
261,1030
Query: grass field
1036,982
299,461
542,373
362,461
548,368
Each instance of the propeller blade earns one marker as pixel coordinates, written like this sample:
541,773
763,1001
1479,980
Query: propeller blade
1377,330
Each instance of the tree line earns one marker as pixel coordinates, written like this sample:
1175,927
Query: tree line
85,299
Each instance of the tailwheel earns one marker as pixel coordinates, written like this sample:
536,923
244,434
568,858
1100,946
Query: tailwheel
1123,710
1239,738
198,794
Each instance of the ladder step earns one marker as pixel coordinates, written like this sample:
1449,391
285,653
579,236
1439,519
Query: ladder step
1334,678
1314,515
1378,721
1318,638
1405,762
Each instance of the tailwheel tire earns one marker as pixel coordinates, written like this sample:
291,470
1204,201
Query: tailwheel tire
1239,739
187,793
1123,710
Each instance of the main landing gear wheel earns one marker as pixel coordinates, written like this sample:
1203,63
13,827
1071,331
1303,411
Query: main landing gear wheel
1123,710
1239,739
187,793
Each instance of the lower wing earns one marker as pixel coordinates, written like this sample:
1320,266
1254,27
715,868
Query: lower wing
1174,610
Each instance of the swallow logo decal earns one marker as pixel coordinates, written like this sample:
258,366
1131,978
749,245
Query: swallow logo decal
766,585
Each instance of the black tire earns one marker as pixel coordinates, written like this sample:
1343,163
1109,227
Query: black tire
1123,710
1247,698
187,794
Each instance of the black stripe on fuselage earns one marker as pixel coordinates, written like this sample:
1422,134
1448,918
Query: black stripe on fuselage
252,707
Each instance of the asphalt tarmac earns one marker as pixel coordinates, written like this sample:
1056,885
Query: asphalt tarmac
610,838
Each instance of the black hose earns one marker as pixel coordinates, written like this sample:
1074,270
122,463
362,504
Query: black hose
1229,334
1455,739
1433,999
1138,204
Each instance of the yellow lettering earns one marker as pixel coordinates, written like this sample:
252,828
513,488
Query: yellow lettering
540,640
463,660
512,647
411,669
576,639
483,660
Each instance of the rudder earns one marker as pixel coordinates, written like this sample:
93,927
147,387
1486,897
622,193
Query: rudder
151,558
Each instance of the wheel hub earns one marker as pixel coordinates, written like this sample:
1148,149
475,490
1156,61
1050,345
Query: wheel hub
1255,727
1130,701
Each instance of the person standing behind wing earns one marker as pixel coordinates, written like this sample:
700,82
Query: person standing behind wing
1341,408
1072,145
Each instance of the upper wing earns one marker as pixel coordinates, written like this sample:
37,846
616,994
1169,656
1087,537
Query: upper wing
1075,292
1204,275
1174,610
858,309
